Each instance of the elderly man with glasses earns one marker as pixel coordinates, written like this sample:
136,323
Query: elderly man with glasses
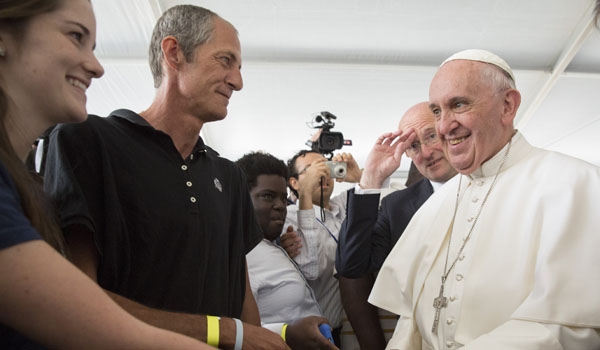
369,233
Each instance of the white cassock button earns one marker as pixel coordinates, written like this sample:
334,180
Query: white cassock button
193,199
452,298
184,167
461,257
192,156
475,200
449,344
189,184
459,277
479,183
470,219
449,321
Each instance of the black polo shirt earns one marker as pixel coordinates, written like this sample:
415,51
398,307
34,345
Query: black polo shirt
172,233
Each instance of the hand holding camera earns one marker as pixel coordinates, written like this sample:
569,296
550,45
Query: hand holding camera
352,171
337,170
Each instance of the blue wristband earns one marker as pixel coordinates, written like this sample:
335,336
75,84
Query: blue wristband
239,334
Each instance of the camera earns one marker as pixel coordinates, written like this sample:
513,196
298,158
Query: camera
328,140
337,170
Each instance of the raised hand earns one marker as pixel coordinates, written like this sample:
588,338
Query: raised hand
384,158
291,242
353,171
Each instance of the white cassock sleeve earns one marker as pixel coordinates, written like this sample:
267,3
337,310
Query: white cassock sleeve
406,336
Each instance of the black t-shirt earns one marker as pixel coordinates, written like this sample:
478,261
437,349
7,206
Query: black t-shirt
172,233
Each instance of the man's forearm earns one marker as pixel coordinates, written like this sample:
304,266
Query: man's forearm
362,316
189,324
355,238
195,326
308,231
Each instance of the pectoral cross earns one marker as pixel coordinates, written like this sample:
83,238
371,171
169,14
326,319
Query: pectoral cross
438,303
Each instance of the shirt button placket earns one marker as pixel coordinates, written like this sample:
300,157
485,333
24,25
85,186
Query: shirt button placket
188,183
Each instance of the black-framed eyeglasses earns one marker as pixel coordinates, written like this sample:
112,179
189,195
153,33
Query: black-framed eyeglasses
303,170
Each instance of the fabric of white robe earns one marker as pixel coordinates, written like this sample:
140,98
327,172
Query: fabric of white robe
528,277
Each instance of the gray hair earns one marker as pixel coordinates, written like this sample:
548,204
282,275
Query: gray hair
191,25
497,78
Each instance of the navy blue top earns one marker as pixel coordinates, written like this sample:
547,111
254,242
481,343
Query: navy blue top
15,228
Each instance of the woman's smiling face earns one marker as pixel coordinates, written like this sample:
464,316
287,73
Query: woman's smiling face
51,63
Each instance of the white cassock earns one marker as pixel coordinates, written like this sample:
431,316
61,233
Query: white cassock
528,277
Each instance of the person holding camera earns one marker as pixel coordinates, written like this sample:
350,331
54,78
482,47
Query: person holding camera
286,303
312,225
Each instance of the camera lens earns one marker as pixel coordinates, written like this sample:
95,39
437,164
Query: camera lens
330,141
340,171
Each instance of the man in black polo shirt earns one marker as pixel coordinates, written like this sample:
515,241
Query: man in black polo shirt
152,213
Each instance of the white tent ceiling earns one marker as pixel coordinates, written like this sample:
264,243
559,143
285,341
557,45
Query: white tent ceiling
367,61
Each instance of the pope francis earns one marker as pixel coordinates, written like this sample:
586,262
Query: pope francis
504,255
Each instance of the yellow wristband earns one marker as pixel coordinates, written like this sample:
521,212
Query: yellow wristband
212,330
283,329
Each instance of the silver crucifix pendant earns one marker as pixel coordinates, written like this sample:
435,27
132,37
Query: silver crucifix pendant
438,303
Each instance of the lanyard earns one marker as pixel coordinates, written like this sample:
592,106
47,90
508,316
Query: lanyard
328,231
299,271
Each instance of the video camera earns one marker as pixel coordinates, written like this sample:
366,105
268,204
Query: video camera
329,140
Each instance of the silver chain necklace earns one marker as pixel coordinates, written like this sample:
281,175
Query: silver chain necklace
441,301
